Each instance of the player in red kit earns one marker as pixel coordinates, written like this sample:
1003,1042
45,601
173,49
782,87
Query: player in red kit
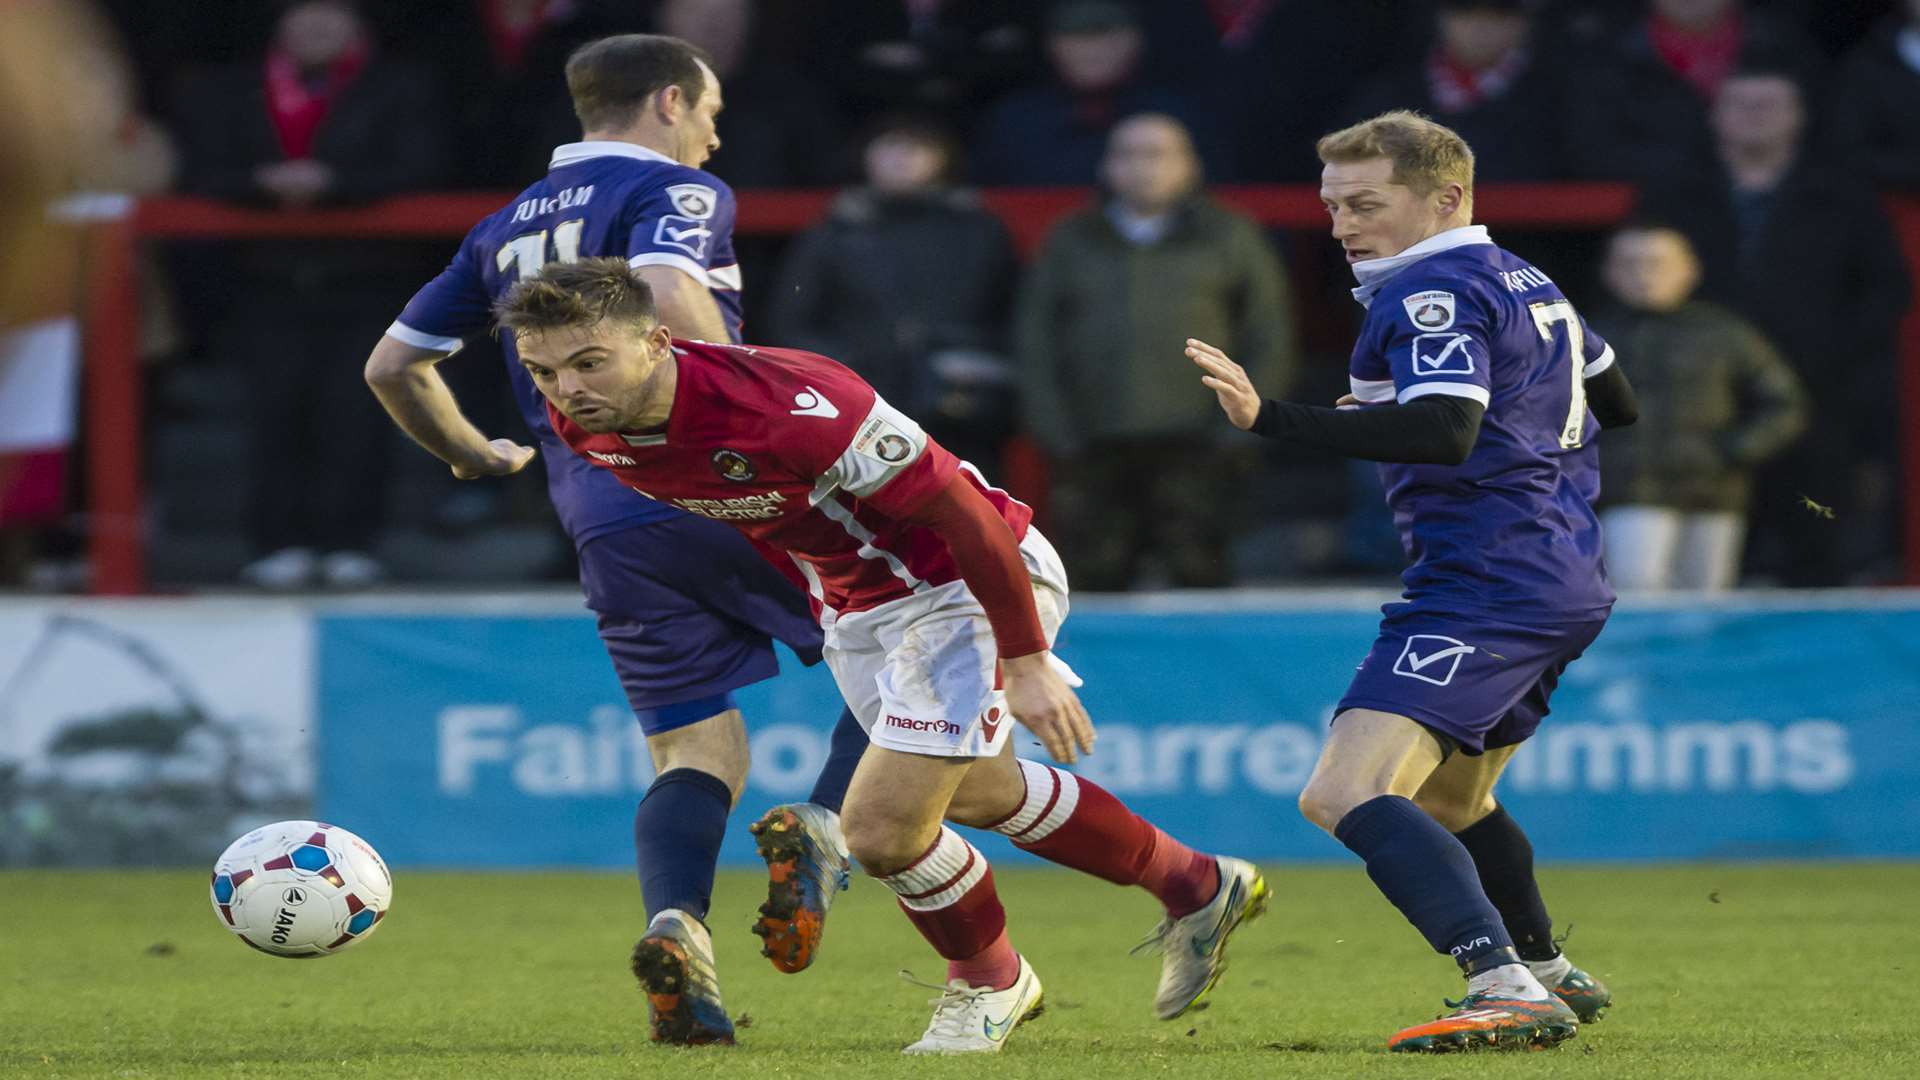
939,603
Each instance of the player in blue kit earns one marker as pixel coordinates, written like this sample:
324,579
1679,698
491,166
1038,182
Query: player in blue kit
688,609
1477,386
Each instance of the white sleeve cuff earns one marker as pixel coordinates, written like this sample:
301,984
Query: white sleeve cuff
1371,391
400,331
1451,389
1598,364
679,262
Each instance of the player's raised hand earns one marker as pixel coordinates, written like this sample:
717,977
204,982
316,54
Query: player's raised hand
1043,702
503,457
1228,381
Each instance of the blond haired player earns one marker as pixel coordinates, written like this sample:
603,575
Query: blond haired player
1471,385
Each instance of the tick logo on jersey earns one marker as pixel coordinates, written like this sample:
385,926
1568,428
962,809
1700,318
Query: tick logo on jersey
611,459
731,465
1442,354
1439,662
813,403
688,234
1432,310
697,201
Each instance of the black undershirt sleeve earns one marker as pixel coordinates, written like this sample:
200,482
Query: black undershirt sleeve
1610,397
1438,429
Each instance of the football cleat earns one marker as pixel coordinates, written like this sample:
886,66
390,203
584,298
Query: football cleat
807,865
974,1019
1193,947
674,963
1587,996
1493,1020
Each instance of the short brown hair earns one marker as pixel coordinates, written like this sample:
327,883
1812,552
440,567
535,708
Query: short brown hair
612,78
1426,155
576,295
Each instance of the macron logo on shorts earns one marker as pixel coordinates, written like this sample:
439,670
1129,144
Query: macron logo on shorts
938,727
1432,658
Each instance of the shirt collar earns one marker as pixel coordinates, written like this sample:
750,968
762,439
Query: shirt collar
575,153
1373,274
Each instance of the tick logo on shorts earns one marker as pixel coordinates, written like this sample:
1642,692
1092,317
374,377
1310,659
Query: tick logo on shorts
1432,658
990,724
733,465
937,727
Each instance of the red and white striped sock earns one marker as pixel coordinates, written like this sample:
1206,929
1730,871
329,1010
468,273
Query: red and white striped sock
948,894
1075,822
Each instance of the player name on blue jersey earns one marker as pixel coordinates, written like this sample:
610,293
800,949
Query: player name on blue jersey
1511,532
598,199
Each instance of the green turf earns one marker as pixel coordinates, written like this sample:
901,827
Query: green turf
1718,971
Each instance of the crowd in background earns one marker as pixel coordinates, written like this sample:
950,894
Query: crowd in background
1754,296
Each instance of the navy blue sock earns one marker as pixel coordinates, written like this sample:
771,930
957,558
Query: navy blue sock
1430,878
676,836
1504,859
843,756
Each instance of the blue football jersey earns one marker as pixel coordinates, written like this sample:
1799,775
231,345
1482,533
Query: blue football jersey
597,199
1510,532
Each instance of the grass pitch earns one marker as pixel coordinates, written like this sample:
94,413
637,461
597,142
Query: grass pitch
1786,970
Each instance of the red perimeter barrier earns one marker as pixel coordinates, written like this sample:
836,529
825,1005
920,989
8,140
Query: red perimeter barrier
115,412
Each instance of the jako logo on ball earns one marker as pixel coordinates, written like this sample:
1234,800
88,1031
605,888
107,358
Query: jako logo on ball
332,889
938,727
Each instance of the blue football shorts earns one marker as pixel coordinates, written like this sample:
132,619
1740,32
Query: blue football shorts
689,609
1478,681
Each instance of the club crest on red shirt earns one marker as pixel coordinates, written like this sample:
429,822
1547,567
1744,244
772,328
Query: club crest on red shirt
733,465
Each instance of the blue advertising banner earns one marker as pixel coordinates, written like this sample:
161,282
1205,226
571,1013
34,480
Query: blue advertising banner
1714,731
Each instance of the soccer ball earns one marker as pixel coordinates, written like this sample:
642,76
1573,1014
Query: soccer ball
301,889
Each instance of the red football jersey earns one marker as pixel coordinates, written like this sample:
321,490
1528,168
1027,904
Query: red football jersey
801,455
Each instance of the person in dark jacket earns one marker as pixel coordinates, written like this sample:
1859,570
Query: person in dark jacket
1716,400
1803,249
1056,132
909,281
1638,98
1483,78
321,118
1103,316
1875,112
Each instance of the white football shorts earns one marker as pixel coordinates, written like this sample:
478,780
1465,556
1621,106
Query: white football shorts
919,672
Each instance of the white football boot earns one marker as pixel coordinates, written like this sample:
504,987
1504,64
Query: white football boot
1194,947
674,963
976,1020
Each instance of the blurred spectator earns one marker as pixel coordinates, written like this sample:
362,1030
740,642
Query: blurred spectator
1801,247
321,117
1483,79
1272,74
1876,106
1056,133
1638,99
1715,399
909,282
947,57
779,130
1144,469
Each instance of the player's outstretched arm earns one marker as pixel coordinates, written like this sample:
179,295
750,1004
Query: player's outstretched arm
410,388
686,307
1228,381
1439,429
989,560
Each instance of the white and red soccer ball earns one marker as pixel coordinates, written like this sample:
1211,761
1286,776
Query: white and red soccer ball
301,889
